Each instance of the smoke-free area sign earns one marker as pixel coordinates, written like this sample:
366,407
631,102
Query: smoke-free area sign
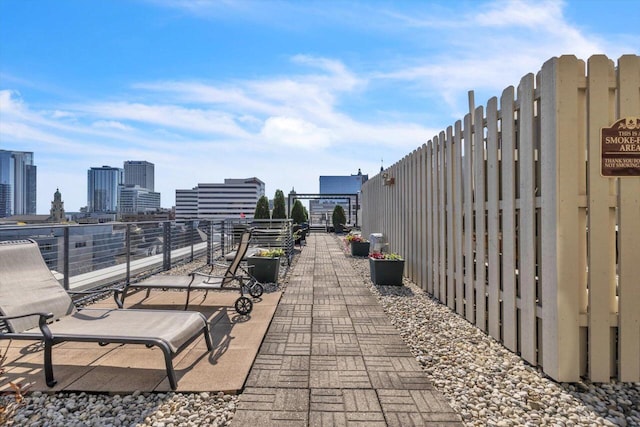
621,148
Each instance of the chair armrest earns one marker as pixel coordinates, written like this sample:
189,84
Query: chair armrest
213,276
117,294
42,322
220,264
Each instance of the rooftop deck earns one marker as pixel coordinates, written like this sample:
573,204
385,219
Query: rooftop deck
322,351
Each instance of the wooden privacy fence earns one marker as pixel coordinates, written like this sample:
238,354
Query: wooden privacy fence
506,218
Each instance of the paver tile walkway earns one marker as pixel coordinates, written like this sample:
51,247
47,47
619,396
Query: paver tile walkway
331,357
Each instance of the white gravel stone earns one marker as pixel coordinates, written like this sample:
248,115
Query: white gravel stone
485,382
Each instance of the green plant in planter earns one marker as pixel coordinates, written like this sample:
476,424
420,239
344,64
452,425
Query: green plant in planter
298,213
270,253
338,218
359,245
279,209
386,268
383,255
264,266
262,208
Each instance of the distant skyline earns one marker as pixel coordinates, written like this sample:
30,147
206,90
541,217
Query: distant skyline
285,91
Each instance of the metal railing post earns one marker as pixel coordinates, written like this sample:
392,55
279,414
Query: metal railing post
222,236
127,237
209,225
66,258
191,238
166,250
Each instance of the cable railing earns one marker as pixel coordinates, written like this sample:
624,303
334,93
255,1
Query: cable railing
90,256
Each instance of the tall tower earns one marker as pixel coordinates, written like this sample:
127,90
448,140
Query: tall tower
139,172
56,214
102,189
17,183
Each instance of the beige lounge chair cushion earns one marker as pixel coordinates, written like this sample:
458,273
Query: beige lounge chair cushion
27,286
174,327
250,252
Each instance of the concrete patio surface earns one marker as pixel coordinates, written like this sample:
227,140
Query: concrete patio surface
124,369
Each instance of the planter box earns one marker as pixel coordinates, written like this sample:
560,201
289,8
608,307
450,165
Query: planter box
265,270
359,248
386,271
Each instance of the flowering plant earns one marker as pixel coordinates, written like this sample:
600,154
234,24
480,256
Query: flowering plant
355,238
381,255
270,253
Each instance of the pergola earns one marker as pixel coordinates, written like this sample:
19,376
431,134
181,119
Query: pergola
340,196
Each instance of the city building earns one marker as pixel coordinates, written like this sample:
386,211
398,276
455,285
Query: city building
321,209
235,198
140,173
18,176
134,199
103,184
56,214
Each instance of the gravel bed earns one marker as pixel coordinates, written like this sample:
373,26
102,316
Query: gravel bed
488,384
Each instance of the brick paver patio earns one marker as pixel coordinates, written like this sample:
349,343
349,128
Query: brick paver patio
331,357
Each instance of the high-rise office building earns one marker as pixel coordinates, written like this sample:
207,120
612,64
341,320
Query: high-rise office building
235,198
103,188
348,184
320,210
139,172
136,200
18,185
137,195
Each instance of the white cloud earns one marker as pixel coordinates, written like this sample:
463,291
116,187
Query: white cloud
111,124
171,116
296,133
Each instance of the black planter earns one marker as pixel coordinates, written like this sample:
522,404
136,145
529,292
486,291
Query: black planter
360,248
265,270
386,271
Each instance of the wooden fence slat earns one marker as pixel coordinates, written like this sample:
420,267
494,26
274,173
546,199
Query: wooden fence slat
450,229
629,231
601,238
423,217
508,139
493,219
442,241
416,214
527,231
480,218
560,230
435,198
458,210
429,211
467,172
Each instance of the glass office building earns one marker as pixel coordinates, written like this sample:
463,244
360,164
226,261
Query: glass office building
18,183
103,188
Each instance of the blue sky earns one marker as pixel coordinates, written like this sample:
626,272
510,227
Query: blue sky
282,90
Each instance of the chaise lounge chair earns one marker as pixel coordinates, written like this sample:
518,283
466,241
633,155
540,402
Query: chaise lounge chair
230,280
34,306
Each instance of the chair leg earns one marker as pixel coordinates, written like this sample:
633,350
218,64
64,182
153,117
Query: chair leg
48,364
186,304
207,338
168,360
